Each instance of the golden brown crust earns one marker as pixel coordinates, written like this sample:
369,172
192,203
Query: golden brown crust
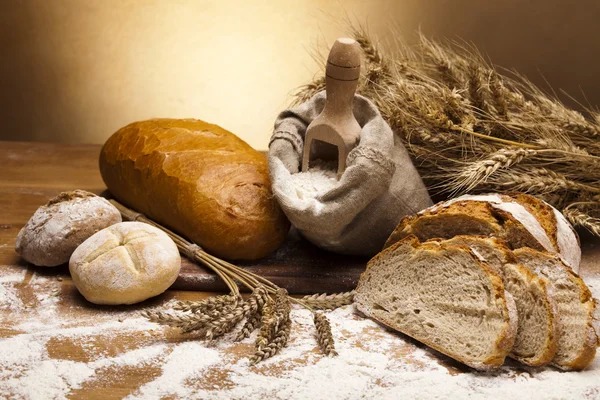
68,196
459,218
467,217
508,257
588,350
401,231
198,179
543,212
551,345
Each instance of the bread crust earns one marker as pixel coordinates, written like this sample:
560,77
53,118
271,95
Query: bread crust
199,180
561,233
588,348
505,340
125,263
521,220
543,212
56,229
478,215
499,244
550,346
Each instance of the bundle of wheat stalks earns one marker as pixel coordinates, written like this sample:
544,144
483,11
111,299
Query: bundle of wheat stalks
267,309
472,129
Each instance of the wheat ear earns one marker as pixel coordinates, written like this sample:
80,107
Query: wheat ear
324,335
579,218
479,171
208,304
326,301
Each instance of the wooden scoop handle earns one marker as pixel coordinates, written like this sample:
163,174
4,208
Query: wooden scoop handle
342,72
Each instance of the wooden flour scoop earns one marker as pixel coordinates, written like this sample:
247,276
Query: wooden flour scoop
336,126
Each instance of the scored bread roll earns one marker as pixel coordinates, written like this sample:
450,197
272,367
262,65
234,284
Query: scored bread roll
443,296
124,264
56,229
521,221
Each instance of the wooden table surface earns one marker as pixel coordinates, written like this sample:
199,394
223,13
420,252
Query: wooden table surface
43,302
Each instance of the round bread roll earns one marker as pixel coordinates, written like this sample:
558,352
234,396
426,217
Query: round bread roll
57,228
124,264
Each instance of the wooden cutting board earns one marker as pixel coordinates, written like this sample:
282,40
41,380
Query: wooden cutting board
297,265
32,173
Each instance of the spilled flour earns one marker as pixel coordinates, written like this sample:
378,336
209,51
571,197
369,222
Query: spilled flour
54,345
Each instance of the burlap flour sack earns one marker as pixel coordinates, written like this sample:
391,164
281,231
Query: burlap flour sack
379,187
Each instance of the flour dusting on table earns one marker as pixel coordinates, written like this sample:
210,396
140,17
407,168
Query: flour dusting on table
41,316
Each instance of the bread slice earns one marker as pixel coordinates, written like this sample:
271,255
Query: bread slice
536,340
577,340
522,221
442,296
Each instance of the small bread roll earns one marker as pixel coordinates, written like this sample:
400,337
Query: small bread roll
57,228
124,264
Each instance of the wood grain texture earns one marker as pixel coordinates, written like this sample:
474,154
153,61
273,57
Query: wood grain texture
32,173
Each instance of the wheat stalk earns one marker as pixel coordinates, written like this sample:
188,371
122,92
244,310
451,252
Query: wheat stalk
183,321
279,340
214,317
253,318
304,93
579,218
268,322
325,301
227,321
275,330
324,335
538,180
208,304
282,306
252,322
479,171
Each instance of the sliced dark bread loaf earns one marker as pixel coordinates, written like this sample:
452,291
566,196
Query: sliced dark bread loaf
577,340
536,340
522,221
443,296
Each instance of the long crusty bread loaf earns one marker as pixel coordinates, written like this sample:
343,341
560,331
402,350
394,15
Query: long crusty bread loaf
536,341
522,221
577,340
198,179
441,295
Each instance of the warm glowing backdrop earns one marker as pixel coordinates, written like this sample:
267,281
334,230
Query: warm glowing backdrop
77,70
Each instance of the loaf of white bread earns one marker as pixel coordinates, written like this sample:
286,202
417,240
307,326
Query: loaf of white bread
450,276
